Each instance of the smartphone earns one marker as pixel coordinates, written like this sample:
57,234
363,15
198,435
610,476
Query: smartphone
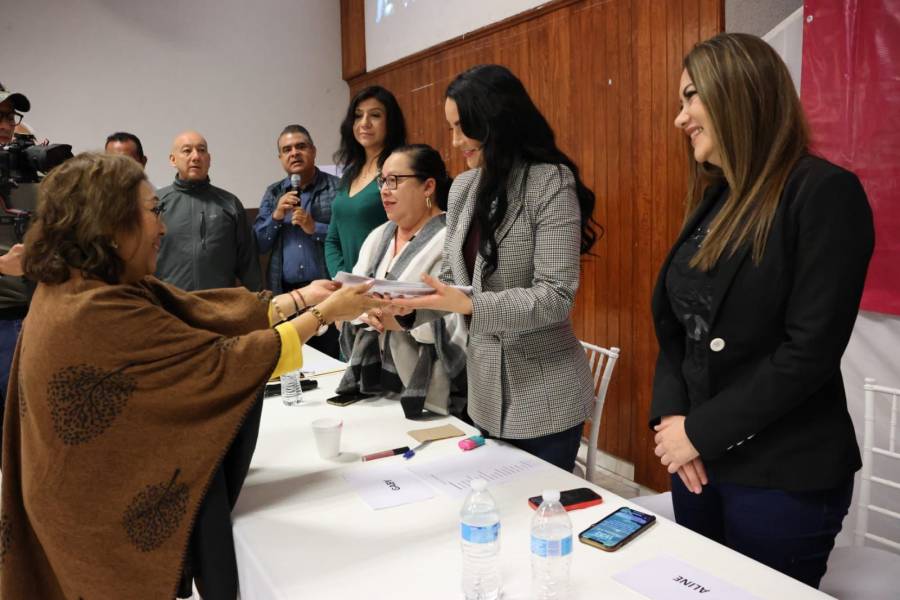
616,529
346,399
273,388
572,499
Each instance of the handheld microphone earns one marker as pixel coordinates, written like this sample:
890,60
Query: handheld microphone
295,182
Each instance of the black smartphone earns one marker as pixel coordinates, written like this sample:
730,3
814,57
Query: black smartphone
346,399
572,499
273,388
616,529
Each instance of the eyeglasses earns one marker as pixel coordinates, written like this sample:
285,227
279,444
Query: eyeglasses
390,181
13,117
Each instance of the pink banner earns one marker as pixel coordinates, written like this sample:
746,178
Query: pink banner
851,92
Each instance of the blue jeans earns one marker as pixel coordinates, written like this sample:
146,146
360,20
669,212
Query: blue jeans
558,449
792,532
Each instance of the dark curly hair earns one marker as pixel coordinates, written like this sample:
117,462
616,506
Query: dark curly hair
351,156
82,204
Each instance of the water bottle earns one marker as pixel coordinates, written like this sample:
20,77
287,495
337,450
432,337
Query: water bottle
551,548
480,532
291,392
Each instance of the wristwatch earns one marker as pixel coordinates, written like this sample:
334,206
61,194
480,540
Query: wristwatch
323,325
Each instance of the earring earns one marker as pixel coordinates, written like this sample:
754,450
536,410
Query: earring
428,201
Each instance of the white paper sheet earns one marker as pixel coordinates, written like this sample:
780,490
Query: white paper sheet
319,363
493,462
396,289
384,486
667,578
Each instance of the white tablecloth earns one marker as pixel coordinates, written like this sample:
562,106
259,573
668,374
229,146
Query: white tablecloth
302,532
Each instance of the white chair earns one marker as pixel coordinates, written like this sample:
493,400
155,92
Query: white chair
602,362
861,572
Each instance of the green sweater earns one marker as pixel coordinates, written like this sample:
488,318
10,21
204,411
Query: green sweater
352,218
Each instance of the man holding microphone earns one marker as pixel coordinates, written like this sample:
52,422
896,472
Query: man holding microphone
293,220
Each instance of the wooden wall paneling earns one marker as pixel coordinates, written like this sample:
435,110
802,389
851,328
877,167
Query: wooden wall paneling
585,146
641,233
621,168
621,136
353,38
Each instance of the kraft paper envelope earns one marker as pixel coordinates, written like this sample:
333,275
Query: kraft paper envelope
436,433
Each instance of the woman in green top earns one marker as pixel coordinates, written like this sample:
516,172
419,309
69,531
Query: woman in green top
371,130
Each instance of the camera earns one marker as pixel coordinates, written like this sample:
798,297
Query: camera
22,165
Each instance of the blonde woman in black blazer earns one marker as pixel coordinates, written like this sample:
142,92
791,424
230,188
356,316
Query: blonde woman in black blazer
753,309
517,223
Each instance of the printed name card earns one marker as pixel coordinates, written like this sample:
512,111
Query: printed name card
384,486
666,578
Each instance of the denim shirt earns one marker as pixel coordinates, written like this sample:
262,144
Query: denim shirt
296,255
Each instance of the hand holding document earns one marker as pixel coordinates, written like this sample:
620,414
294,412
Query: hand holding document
396,289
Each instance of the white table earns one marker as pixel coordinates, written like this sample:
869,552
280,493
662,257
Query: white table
302,532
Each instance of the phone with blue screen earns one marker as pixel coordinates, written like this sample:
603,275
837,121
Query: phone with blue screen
616,529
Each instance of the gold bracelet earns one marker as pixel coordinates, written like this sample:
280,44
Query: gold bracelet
278,312
318,315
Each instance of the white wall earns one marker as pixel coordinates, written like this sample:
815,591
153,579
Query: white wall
398,28
236,71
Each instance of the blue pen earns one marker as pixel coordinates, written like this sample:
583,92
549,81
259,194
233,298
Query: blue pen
412,451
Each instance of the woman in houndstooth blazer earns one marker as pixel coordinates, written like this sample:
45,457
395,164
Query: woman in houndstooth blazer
516,225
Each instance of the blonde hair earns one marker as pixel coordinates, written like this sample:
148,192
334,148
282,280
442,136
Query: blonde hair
82,203
761,133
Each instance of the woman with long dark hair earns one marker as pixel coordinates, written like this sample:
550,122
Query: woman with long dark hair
517,223
753,309
372,128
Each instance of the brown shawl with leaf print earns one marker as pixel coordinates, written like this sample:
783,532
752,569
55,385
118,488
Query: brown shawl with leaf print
122,401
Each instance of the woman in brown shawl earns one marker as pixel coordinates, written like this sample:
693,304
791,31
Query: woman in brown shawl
125,393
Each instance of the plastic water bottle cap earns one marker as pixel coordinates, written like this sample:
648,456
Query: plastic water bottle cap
551,495
478,484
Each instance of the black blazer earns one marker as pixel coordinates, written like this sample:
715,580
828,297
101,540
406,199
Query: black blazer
776,415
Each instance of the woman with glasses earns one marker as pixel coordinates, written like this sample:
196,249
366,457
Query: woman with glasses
753,309
517,224
126,392
425,365
372,128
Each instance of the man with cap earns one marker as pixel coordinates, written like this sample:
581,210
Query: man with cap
293,221
13,290
209,243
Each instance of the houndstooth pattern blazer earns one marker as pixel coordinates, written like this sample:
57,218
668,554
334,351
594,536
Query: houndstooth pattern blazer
527,372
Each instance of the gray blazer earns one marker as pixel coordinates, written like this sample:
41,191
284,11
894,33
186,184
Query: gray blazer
527,372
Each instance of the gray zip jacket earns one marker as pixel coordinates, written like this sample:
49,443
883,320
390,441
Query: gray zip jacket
208,243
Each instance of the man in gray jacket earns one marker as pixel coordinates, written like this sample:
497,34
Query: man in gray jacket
209,243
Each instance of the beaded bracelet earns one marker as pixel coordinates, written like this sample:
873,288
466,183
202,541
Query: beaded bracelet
278,312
